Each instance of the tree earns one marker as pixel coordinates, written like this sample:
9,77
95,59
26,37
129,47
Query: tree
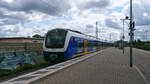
36,36
139,41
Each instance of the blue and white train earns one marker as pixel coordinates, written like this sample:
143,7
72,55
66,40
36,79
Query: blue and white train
62,44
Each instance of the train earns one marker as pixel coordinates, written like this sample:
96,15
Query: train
63,44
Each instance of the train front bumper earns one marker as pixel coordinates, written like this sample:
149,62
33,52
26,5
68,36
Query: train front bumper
52,56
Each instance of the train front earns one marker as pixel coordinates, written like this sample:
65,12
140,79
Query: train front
54,45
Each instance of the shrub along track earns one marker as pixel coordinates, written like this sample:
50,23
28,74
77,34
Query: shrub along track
6,75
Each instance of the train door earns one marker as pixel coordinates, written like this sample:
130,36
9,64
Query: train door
85,46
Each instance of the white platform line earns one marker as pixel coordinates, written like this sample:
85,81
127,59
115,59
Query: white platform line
141,74
145,51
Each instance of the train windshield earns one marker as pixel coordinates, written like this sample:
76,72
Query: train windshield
56,38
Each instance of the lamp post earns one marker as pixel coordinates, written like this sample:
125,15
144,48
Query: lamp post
132,25
110,37
131,34
123,37
146,36
96,30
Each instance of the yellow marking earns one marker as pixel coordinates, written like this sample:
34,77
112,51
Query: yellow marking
77,55
102,48
92,51
83,53
85,46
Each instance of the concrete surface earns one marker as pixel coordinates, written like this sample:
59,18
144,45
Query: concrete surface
108,67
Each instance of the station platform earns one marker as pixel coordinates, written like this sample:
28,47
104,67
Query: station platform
110,66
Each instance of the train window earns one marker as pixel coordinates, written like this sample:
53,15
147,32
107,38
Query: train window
92,44
80,45
89,44
73,40
56,38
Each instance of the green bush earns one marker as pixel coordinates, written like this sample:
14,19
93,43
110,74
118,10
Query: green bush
24,68
4,73
142,45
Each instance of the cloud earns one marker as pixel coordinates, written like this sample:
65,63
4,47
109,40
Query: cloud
39,16
112,23
141,12
50,7
141,16
99,4
89,29
12,18
9,31
89,26
140,32
22,11
115,4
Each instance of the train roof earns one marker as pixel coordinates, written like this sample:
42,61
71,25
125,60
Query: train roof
74,31
79,33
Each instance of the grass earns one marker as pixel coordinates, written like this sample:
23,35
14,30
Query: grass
144,46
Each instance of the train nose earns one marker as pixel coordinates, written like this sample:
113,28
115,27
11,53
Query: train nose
53,56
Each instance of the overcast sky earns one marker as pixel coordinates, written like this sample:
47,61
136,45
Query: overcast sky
29,17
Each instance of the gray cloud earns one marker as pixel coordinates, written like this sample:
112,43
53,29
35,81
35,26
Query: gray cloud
12,19
140,35
23,8
6,31
9,22
142,18
140,32
89,29
14,30
111,23
141,13
50,7
95,4
89,26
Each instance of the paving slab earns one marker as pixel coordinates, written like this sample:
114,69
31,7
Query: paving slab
107,67
141,58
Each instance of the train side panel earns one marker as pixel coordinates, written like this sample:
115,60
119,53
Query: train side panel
72,49
79,46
